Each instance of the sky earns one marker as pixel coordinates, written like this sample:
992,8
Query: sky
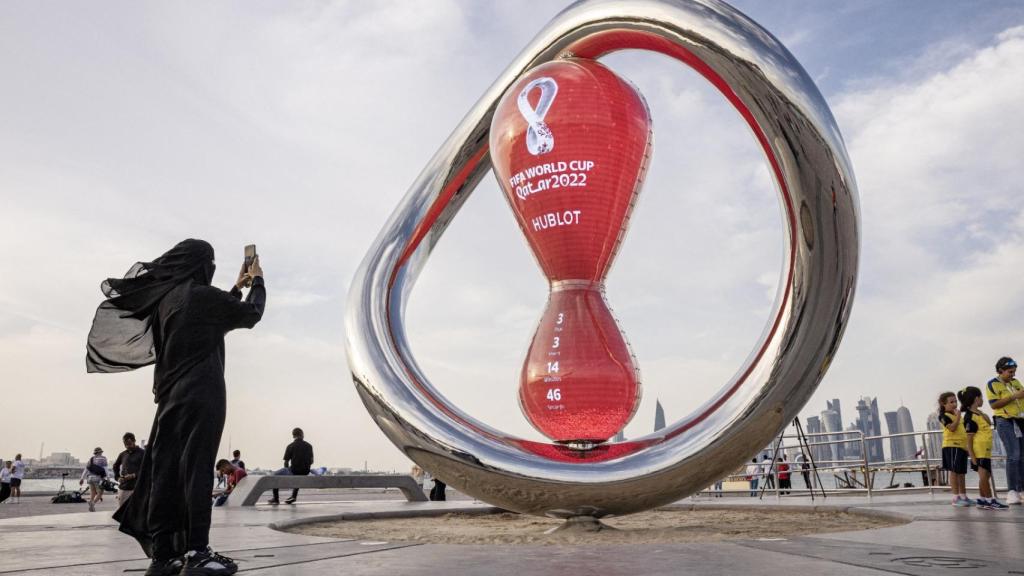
127,126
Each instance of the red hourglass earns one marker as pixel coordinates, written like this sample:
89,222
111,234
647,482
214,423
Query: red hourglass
569,143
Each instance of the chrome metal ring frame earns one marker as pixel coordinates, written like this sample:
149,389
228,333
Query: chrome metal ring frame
795,128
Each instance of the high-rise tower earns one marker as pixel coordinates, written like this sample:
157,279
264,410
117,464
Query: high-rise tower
832,422
869,424
909,443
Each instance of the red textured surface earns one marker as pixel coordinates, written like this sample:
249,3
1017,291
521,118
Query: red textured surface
572,198
601,130
579,381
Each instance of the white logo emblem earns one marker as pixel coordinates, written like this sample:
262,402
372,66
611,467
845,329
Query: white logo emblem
539,139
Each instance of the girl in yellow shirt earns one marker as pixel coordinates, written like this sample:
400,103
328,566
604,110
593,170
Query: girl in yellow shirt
979,445
954,448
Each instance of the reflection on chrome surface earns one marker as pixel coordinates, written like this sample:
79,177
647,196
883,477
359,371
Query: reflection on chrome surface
796,130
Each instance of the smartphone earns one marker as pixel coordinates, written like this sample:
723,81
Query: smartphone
250,255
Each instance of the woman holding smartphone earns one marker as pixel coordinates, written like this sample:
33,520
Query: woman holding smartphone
166,313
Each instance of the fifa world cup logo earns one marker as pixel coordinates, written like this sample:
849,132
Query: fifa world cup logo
579,383
539,139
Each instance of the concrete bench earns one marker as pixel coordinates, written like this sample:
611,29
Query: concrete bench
250,488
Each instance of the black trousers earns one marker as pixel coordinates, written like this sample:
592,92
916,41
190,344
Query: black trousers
437,492
295,491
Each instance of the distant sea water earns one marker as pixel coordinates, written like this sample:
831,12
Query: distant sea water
48,484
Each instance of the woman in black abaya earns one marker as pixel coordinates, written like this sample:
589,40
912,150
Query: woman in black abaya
166,313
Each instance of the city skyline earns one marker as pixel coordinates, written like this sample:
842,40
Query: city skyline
868,423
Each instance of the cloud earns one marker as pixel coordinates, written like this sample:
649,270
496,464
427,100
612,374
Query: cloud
300,128
938,166
141,125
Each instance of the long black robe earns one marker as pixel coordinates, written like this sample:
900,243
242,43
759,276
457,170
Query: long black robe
169,511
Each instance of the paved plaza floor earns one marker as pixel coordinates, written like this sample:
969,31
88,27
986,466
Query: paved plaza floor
939,540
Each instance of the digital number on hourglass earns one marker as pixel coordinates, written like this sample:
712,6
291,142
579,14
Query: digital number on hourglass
555,394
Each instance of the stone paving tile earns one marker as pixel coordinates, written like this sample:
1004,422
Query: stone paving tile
265,560
663,560
88,544
911,561
998,539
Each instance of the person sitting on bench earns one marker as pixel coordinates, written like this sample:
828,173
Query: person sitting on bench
298,459
233,474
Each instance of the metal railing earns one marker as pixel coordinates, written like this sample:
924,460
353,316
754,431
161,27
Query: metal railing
847,476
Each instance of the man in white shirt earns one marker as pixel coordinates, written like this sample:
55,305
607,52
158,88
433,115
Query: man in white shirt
768,472
17,474
753,472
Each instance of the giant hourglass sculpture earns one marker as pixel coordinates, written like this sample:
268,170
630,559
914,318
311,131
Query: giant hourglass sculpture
570,143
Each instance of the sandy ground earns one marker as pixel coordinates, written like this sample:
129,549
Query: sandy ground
654,527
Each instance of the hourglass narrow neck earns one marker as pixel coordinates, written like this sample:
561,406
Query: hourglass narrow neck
576,284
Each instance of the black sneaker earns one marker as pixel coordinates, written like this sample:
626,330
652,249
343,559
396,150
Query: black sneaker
170,567
207,563
291,500
273,501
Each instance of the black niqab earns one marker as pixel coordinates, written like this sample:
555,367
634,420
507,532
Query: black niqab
121,337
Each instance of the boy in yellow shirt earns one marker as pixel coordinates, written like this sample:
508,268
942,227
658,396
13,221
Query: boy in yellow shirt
1006,398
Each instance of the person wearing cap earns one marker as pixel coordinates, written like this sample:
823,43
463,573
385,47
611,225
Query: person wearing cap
94,473
1005,396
